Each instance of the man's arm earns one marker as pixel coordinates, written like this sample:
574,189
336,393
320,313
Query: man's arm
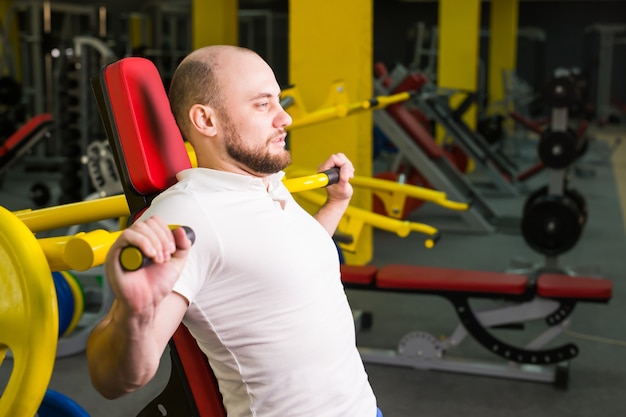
339,194
124,350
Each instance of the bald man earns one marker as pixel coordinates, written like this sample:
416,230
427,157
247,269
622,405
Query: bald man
260,289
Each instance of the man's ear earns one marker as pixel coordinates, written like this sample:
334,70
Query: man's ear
203,119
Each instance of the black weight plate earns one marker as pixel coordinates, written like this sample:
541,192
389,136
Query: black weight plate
552,224
580,201
561,92
558,149
540,192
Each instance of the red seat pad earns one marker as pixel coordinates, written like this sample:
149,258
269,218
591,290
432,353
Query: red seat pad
450,280
565,286
361,275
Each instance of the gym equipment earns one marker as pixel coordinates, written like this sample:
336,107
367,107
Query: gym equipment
55,404
559,145
74,339
552,223
558,149
394,197
99,296
102,170
418,148
132,259
23,140
86,250
27,303
500,170
554,215
65,301
192,378
514,301
561,92
335,106
603,41
40,194
351,224
78,298
434,103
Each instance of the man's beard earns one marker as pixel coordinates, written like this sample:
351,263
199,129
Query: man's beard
257,159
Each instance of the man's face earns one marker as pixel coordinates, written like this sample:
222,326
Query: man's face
252,120
260,158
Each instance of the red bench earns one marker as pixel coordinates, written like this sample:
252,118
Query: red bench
23,140
547,295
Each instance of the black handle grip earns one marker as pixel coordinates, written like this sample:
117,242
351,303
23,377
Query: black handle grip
333,175
132,259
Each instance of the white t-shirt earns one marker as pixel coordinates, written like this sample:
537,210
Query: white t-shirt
267,305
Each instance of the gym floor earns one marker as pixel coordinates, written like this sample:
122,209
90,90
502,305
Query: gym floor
597,378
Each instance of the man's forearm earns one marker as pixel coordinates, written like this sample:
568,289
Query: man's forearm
122,355
331,213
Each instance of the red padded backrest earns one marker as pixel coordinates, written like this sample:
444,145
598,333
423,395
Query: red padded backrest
199,374
152,146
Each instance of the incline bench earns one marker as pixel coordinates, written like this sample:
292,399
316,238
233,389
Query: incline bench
149,152
23,140
544,296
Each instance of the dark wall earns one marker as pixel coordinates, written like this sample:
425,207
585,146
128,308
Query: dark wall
564,23
393,23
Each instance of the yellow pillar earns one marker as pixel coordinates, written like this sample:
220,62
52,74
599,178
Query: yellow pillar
457,66
136,31
215,22
502,47
330,41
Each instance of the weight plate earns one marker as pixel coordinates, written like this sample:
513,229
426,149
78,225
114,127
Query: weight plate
580,201
65,301
40,194
558,149
55,404
572,193
532,197
561,92
552,224
79,301
29,321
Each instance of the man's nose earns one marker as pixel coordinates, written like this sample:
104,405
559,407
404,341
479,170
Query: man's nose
283,119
